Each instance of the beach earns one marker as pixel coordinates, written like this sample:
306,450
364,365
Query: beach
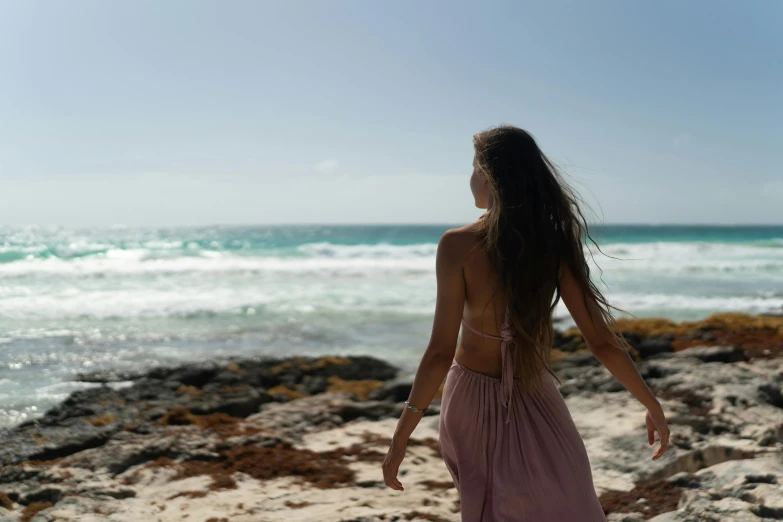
302,439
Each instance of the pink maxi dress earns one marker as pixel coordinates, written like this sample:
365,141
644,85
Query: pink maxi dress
514,457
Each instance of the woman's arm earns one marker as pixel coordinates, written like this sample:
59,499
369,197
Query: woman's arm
437,357
604,345
439,353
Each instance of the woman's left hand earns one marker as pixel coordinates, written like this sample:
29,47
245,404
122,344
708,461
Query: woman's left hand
391,464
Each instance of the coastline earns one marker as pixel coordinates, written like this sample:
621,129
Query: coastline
302,438
87,299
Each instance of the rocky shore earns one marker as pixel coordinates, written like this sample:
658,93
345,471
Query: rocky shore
302,439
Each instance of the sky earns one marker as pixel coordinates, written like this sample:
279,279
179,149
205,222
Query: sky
186,112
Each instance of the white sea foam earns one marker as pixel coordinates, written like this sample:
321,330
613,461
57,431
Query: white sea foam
212,263
143,282
186,294
330,259
689,257
752,304
376,251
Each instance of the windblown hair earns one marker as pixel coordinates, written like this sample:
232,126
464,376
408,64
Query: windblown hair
533,226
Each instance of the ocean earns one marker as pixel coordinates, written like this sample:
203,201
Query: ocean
74,300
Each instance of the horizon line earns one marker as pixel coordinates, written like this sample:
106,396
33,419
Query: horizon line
370,224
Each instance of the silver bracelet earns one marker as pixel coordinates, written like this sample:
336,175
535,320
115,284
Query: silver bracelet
414,408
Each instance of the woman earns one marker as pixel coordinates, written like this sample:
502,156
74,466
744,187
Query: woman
506,435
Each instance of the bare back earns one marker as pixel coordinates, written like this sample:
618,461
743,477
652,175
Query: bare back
485,304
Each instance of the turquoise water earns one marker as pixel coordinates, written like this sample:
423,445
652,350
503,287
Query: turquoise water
74,300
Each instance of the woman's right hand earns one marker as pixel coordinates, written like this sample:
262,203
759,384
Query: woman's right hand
656,421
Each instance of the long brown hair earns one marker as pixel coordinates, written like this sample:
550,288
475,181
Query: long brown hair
533,225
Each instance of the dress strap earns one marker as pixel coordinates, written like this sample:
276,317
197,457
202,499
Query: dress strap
507,359
479,332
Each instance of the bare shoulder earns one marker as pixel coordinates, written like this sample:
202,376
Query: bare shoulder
456,244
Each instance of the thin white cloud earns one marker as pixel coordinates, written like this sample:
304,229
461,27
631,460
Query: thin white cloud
327,166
